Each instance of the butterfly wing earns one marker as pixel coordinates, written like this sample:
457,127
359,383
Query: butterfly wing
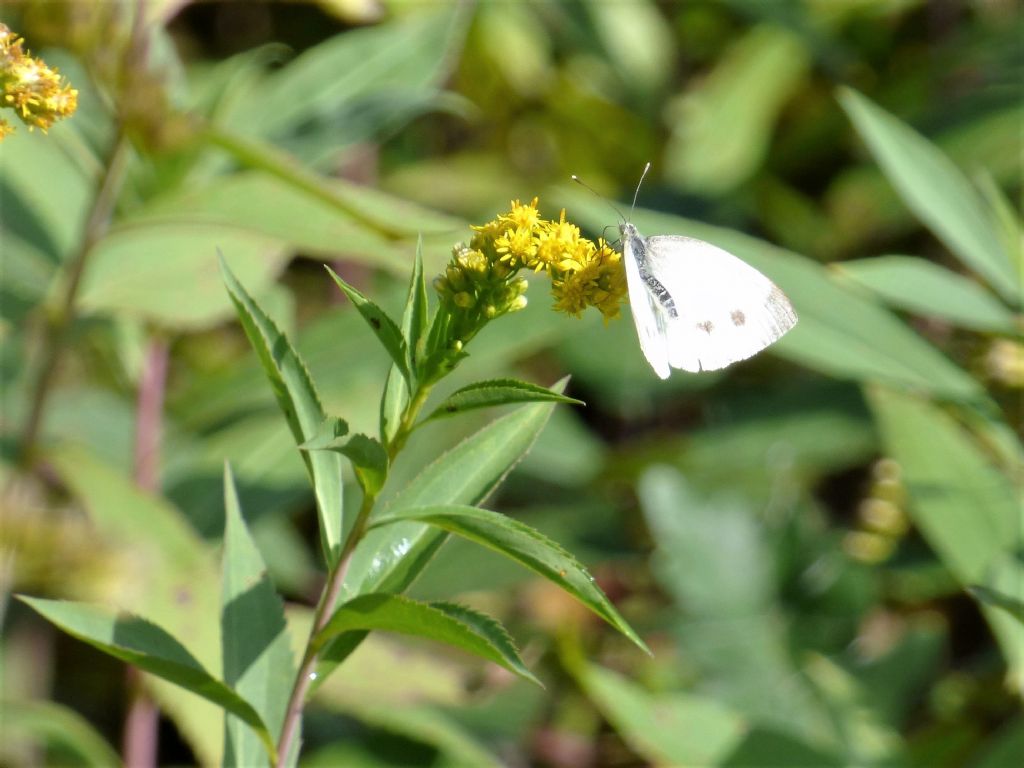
648,315
725,309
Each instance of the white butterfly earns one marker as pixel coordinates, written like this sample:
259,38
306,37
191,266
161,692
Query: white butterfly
696,306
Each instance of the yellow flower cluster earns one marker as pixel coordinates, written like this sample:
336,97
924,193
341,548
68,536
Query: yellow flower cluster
583,273
33,90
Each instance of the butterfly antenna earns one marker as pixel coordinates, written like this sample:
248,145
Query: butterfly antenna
586,186
637,191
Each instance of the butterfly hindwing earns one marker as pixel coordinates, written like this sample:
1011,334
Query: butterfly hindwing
725,309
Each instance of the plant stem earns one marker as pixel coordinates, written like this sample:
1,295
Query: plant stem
267,158
335,580
60,322
324,609
408,423
141,724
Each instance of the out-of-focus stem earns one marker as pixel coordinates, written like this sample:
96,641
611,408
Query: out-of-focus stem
59,323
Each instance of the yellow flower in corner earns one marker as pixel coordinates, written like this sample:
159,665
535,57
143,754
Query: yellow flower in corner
37,93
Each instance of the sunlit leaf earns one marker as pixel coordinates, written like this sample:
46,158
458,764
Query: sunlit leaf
451,624
257,659
150,648
523,544
485,394
383,327
300,404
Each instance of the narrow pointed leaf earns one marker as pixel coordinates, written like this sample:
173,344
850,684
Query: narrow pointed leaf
298,399
455,625
484,394
523,544
935,189
257,657
392,404
414,319
383,326
368,457
151,649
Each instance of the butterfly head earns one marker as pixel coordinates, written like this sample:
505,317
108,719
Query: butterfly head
627,230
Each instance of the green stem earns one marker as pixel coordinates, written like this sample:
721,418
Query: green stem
408,423
324,609
264,157
332,590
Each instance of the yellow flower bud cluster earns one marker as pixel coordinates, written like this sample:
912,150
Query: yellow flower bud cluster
583,273
36,92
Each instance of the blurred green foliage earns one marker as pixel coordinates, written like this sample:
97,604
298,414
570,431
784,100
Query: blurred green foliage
794,538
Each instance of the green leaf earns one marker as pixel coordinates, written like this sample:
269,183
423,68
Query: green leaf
367,455
722,133
414,318
1011,228
963,506
665,729
298,400
484,394
452,624
388,560
935,189
523,544
169,281
406,55
255,644
924,288
456,743
383,326
332,211
392,404
44,723
151,649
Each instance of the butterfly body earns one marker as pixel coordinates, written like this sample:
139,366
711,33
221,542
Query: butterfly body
696,306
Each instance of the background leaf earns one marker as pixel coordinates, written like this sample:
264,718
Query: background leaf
936,191
962,504
925,288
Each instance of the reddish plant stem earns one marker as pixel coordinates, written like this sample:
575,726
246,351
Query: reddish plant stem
149,416
141,725
304,678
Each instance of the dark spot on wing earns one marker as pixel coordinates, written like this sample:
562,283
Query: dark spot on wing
375,322
738,318
706,326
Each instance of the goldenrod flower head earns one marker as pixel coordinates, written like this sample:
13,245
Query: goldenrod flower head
481,277
36,92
